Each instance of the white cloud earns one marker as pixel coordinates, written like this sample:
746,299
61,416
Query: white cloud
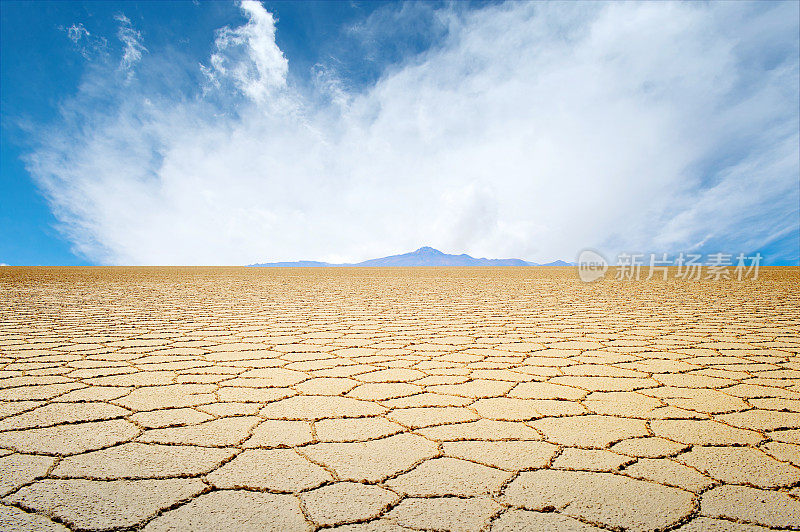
132,41
248,56
87,44
76,32
532,130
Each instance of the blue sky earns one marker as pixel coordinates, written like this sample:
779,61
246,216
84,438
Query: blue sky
227,133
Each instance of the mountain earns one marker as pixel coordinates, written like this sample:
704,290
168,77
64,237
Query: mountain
424,256
427,256
559,263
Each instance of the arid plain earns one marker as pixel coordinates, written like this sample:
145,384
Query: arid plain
396,399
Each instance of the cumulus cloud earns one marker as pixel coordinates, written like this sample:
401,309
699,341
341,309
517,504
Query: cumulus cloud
527,130
248,56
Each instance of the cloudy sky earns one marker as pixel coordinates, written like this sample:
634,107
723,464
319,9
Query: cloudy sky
232,133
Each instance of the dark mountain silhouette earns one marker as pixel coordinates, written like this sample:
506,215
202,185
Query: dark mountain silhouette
424,256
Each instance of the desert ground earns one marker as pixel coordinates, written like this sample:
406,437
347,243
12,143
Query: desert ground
397,399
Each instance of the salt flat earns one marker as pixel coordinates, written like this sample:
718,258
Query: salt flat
396,399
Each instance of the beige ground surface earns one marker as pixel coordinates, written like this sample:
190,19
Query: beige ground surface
384,399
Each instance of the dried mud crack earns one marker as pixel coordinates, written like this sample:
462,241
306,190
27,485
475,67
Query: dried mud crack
396,399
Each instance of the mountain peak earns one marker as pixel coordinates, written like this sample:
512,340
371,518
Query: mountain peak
428,250
424,256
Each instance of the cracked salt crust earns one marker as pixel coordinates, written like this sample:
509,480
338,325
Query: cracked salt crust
377,400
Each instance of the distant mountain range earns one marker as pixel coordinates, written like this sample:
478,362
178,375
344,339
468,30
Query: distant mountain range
424,256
